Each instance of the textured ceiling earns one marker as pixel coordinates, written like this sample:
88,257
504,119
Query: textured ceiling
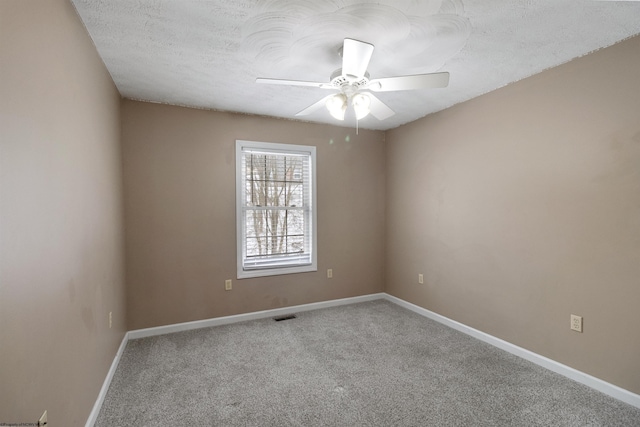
207,54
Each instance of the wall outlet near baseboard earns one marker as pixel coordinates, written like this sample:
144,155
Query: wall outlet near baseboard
421,278
227,285
329,273
576,323
43,419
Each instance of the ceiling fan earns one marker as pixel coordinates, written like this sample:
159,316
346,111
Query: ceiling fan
353,85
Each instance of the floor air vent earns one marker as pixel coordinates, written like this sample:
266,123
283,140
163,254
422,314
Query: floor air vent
287,317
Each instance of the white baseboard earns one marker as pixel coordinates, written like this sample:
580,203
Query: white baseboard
217,321
93,416
578,376
178,327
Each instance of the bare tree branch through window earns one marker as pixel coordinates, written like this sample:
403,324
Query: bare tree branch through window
276,206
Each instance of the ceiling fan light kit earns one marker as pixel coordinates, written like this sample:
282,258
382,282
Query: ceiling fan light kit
337,106
361,102
353,83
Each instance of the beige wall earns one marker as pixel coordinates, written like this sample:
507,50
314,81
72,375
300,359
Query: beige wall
523,206
519,207
179,173
61,240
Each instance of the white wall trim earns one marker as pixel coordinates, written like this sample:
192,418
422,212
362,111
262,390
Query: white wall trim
571,373
93,416
217,321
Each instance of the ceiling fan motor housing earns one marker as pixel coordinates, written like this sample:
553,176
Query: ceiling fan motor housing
339,80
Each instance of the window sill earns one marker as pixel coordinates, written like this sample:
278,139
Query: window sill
275,271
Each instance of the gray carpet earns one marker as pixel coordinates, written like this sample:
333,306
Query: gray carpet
368,364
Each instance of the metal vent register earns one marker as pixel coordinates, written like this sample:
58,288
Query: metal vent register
286,317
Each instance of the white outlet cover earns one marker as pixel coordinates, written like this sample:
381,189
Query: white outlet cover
576,323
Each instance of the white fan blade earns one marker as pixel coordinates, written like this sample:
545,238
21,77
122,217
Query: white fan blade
419,81
294,83
310,109
379,109
355,57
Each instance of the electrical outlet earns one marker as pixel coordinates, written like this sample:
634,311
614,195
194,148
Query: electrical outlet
110,319
421,278
227,285
43,419
330,273
576,323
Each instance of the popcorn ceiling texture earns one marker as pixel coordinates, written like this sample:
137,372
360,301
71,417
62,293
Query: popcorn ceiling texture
207,54
297,43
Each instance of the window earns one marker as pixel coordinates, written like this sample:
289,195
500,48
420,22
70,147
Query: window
275,208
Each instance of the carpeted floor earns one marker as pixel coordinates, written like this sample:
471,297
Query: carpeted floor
368,364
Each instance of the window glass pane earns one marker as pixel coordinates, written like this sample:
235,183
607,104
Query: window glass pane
272,180
274,232
294,194
295,222
255,223
249,193
295,244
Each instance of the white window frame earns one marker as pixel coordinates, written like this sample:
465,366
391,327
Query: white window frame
288,265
